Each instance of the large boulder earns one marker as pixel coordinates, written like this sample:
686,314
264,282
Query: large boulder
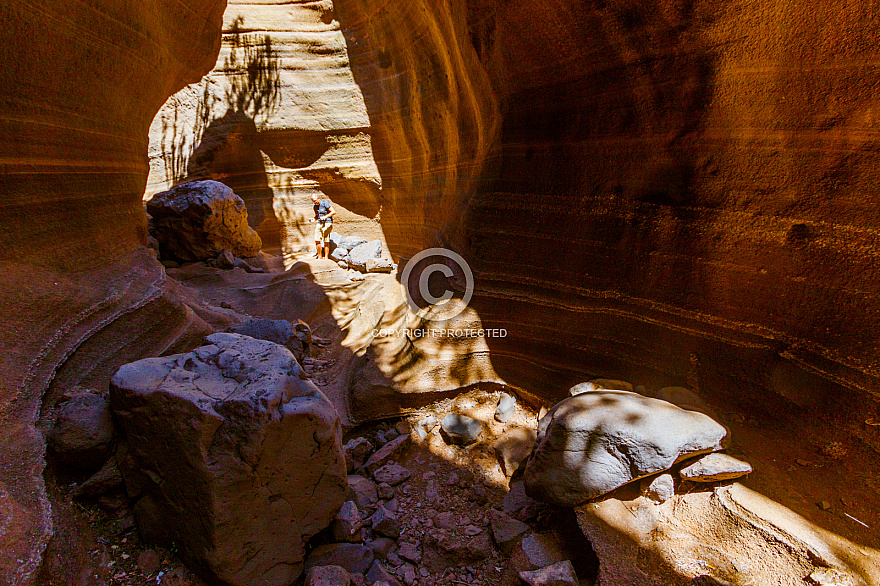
232,454
197,220
360,254
596,441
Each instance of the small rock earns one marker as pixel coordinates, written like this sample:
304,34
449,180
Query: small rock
558,574
715,468
103,481
225,260
472,530
409,551
660,488
393,559
461,429
381,547
542,549
506,407
347,524
362,491
403,427
446,520
801,462
452,479
357,450
378,265
432,493
350,242
170,264
340,255
428,422
83,433
327,576
384,454
479,495
386,491
391,434
506,530
409,574
392,474
385,522
354,558
377,574
149,561
824,505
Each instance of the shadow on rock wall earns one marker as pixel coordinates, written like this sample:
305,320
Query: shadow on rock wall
226,148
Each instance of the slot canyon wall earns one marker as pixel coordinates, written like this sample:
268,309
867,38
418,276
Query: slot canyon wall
677,192
81,295
668,191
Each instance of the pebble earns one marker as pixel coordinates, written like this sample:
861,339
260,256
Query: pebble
392,474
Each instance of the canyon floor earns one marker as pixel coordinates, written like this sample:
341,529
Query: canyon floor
820,472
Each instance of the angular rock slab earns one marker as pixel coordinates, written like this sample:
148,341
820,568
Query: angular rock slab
197,220
233,455
594,442
715,468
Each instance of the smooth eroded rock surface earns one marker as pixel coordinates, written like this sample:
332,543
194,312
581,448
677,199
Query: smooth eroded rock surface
594,442
232,454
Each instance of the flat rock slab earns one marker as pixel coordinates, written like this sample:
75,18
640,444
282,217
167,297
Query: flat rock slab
384,454
594,442
232,454
715,468
559,574
392,474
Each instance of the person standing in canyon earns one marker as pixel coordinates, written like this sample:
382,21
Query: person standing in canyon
323,219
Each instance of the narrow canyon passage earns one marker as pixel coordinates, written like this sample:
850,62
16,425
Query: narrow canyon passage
663,194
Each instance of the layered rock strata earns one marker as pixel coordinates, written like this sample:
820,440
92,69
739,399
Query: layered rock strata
80,84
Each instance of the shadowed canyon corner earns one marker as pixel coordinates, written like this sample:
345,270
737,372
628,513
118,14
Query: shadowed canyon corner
656,222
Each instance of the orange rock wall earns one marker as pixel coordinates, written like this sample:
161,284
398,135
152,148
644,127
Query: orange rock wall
80,84
674,191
